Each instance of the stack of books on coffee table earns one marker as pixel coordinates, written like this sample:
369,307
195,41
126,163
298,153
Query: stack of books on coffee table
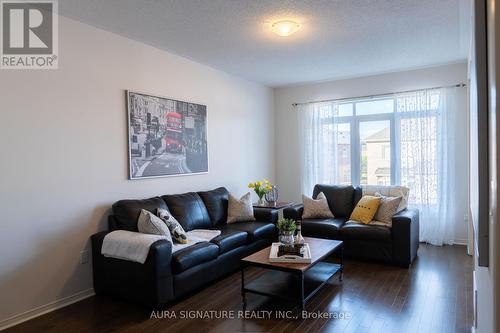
290,253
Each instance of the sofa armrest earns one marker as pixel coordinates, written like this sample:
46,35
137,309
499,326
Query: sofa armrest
294,212
266,215
405,236
149,284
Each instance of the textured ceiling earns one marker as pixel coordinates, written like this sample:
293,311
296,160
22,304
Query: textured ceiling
339,38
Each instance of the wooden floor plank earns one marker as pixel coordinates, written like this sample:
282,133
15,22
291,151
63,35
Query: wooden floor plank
434,295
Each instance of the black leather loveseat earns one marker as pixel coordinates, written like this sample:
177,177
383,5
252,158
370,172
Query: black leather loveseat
397,245
165,276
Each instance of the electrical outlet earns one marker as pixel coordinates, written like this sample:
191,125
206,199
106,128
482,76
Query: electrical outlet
84,257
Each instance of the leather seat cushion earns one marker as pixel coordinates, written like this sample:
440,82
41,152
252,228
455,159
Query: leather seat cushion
360,231
216,202
339,197
126,212
255,230
189,210
322,228
193,255
230,240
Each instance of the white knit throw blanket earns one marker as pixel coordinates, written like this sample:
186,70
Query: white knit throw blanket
134,246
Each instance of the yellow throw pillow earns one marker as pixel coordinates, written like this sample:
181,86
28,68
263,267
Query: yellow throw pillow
365,209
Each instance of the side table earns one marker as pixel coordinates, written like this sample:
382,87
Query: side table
279,205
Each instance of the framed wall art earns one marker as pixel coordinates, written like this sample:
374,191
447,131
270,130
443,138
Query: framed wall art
167,137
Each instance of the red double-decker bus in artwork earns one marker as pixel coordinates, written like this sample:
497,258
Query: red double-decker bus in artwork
173,140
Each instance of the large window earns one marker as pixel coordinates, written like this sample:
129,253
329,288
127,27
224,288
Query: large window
372,142
362,131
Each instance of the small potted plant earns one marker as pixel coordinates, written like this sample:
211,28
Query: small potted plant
261,188
286,228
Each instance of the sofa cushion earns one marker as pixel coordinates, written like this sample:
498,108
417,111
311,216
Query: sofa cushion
340,198
387,209
360,231
230,240
255,230
174,227
358,194
193,255
240,210
189,210
149,223
316,208
127,212
216,203
389,191
365,209
322,228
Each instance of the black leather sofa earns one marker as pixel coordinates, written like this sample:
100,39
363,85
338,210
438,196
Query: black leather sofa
397,245
164,276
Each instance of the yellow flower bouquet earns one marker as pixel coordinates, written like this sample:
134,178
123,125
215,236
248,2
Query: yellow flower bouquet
261,188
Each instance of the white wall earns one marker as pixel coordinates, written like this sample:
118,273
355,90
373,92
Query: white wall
287,141
64,152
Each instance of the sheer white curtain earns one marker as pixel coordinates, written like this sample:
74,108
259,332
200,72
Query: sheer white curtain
425,136
425,133
317,133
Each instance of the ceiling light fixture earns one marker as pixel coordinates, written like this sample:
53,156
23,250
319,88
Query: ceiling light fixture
285,28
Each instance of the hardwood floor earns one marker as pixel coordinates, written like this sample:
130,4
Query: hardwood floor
434,295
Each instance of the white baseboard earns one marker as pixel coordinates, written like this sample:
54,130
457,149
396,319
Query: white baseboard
460,242
38,311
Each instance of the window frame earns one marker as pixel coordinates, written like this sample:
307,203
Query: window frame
394,119
354,121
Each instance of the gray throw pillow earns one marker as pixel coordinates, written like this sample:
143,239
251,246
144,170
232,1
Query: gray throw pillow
149,223
177,231
386,210
240,210
316,208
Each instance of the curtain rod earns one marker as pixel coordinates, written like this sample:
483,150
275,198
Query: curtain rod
458,85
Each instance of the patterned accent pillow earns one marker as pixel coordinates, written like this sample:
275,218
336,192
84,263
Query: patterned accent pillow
240,210
316,208
389,191
366,209
388,207
149,223
177,231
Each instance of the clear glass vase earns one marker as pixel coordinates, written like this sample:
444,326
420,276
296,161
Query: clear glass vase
286,237
272,195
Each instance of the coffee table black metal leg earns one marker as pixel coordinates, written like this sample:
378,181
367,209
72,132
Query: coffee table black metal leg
341,275
302,304
243,294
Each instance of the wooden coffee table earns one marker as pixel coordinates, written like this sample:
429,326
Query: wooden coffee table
290,281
